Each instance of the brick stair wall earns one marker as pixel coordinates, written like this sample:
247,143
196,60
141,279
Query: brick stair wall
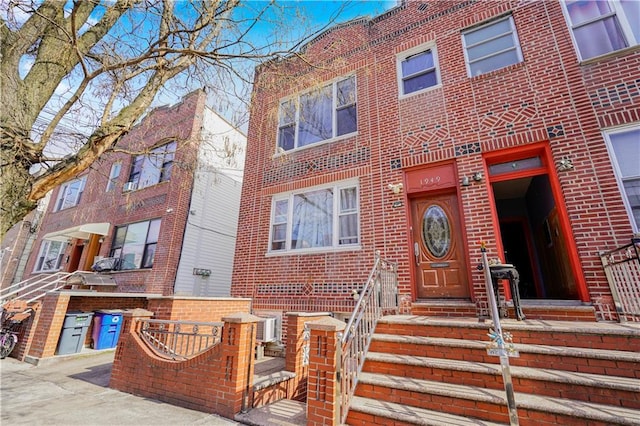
421,368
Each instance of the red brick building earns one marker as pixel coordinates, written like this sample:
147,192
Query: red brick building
435,126
146,206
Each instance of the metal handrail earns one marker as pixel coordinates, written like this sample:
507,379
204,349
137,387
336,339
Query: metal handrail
380,295
174,340
622,268
39,284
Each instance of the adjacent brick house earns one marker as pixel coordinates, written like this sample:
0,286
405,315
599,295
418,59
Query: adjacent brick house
430,128
154,206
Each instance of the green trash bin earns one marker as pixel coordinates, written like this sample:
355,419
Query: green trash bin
74,332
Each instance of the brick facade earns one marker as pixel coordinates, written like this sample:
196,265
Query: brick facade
548,105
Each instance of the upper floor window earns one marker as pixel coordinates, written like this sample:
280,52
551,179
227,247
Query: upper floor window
318,115
600,26
317,219
153,168
135,244
50,256
70,194
417,70
491,46
624,147
113,176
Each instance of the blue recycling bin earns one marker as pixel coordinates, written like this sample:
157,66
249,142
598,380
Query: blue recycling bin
106,328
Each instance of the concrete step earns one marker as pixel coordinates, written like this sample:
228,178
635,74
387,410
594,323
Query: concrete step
472,402
282,413
366,412
591,335
598,361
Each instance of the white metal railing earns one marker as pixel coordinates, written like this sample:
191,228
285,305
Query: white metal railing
36,287
379,296
622,268
179,340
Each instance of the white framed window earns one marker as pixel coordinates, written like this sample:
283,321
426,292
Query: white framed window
316,219
417,70
602,26
491,46
135,244
50,256
113,176
318,115
70,194
153,168
624,149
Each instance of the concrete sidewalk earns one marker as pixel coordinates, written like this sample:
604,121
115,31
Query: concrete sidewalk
74,391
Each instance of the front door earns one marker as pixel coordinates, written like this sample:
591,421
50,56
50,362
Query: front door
438,251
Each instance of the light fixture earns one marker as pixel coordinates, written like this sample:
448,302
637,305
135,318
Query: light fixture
477,176
101,240
465,181
565,164
396,188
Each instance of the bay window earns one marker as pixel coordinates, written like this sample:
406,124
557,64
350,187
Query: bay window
317,219
135,244
50,256
624,148
318,115
602,26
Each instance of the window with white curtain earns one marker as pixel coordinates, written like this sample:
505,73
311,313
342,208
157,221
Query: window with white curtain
50,256
318,115
624,148
316,219
602,26
70,194
153,168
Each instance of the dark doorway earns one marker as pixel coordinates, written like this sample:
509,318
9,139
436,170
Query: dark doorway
533,239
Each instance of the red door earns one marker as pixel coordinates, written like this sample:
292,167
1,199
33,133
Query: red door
441,271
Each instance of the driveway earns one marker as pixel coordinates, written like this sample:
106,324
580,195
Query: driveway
69,391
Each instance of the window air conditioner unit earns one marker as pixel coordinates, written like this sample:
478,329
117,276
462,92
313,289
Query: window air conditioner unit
106,264
266,330
130,186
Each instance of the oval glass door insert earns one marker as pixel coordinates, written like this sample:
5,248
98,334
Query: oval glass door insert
436,231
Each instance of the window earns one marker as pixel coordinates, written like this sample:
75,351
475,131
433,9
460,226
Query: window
315,220
135,244
600,26
418,71
319,115
491,46
113,176
152,168
70,194
51,255
624,147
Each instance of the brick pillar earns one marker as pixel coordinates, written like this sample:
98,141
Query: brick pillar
49,326
323,387
237,361
121,369
295,347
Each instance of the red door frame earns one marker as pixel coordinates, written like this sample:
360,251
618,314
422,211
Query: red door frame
542,150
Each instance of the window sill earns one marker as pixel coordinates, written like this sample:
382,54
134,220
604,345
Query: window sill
314,145
313,251
609,55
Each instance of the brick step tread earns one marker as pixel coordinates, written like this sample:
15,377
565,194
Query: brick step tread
554,327
547,375
578,352
580,409
413,415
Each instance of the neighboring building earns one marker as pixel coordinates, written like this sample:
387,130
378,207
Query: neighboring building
162,206
433,127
